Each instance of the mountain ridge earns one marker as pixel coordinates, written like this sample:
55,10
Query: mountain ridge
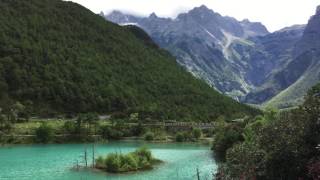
306,62
193,36
238,58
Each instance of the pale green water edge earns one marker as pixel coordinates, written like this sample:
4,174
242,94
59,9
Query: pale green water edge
54,162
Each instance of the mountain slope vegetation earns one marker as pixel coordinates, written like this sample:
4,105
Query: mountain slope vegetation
58,57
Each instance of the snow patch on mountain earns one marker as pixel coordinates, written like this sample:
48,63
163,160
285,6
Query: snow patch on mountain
129,24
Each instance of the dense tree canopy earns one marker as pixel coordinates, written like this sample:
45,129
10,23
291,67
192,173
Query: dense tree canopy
59,57
286,146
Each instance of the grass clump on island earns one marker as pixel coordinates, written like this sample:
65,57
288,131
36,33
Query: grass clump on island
139,160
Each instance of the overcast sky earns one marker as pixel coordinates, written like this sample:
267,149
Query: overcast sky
275,14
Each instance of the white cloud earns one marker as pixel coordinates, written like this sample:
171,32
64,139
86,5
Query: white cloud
275,14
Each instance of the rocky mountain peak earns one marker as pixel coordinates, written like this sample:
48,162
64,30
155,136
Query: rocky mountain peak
116,13
153,15
121,18
117,16
201,10
198,14
318,10
253,28
102,14
245,21
297,27
311,37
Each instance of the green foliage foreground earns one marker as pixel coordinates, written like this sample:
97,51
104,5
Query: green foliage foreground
284,146
141,159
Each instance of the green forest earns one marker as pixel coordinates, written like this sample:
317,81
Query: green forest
58,58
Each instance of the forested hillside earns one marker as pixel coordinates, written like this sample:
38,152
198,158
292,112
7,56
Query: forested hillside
58,57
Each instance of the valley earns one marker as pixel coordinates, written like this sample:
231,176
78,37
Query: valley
198,95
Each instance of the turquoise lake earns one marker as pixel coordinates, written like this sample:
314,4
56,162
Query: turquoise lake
55,162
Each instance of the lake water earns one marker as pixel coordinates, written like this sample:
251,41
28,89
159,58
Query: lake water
54,162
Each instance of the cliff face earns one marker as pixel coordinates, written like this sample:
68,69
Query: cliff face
310,40
202,41
303,71
239,58
269,60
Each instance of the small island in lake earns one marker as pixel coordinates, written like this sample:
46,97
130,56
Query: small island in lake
139,160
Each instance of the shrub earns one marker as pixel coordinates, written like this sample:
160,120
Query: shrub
110,133
250,161
117,163
314,169
100,163
187,136
144,152
138,130
210,132
130,163
44,134
160,136
196,133
113,162
224,139
69,127
180,137
149,136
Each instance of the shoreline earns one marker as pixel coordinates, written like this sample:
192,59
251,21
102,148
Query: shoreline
29,140
202,142
101,170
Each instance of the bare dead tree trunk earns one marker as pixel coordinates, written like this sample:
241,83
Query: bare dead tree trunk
93,156
78,167
86,157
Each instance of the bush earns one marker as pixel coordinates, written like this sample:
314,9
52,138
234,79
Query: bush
138,160
144,152
138,130
44,134
180,137
160,136
224,139
130,163
188,136
100,163
110,133
244,160
314,169
210,132
113,162
69,127
149,136
196,133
